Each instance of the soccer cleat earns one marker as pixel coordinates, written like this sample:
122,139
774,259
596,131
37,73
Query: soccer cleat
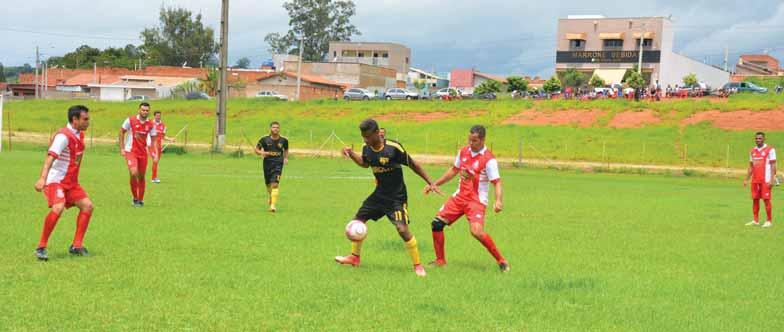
135,203
77,251
352,260
273,209
156,180
420,270
752,223
437,263
504,266
40,253
141,203
767,224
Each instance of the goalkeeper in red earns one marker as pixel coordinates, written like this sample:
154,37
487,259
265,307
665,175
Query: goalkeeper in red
478,169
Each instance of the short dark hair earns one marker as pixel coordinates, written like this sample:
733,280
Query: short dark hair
479,130
274,123
144,103
76,112
382,128
156,112
759,133
368,126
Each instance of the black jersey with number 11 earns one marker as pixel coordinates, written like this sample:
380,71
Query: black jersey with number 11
387,165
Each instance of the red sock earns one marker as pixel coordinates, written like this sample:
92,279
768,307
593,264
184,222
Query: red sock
154,170
140,185
487,241
49,223
82,221
438,245
768,209
133,189
755,209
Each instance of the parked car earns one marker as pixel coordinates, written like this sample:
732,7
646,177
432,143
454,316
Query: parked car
271,95
449,92
197,95
743,87
359,94
400,94
486,95
139,98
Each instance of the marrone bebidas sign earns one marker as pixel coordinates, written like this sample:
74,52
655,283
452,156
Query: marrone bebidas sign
607,56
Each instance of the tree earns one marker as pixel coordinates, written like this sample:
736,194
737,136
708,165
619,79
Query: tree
597,82
181,39
636,80
419,84
210,82
516,83
320,22
488,86
552,85
573,78
690,80
628,73
2,73
242,63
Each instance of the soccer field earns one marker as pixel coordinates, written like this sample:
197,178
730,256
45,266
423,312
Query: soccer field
589,252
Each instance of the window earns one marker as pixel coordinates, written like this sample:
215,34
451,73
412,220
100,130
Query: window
361,54
613,43
646,43
406,60
576,44
385,55
375,54
334,54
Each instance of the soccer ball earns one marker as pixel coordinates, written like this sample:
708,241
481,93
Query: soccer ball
356,230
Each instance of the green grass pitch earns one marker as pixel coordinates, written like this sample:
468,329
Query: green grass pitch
589,252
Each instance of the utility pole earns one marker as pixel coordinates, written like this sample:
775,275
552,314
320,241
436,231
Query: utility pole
95,73
45,83
639,62
37,64
299,63
220,132
726,58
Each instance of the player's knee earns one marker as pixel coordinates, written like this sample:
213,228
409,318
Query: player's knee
87,207
477,232
401,227
437,225
58,209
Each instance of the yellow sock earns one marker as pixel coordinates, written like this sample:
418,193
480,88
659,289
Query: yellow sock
274,196
356,247
413,250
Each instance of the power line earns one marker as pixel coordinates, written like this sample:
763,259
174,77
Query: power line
70,35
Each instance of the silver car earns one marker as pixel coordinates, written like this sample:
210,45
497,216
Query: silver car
358,94
400,94
271,95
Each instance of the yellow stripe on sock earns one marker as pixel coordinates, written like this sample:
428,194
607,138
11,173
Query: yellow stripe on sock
356,247
413,250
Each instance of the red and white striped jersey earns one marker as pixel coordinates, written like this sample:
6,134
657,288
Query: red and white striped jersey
68,149
477,171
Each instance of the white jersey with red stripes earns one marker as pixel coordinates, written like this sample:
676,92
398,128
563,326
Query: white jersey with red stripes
137,132
477,171
68,149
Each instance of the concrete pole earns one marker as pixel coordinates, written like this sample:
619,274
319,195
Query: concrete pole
37,64
299,65
220,132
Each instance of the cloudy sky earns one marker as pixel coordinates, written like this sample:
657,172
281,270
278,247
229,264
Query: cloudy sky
502,37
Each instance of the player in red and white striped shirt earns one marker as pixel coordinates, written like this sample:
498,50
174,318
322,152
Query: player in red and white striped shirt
60,181
134,133
762,171
478,169
160,130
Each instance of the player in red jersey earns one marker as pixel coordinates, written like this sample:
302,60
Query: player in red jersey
477,168
762,171
60,181
160,130
134,133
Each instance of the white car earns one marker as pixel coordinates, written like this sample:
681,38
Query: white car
448,92
271,95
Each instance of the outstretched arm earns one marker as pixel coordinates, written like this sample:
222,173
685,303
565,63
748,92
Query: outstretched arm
349,152
417,168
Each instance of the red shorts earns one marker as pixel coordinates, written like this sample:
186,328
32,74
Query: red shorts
760,191
455,208
56,194
136,161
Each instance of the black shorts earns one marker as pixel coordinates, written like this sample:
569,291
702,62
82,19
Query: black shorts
272,172
374,208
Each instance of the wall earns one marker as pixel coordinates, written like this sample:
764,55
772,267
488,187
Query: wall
353,74
287,86
678,66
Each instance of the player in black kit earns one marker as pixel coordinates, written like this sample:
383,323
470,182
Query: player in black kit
275,151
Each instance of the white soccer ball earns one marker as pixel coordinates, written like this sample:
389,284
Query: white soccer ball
356,230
